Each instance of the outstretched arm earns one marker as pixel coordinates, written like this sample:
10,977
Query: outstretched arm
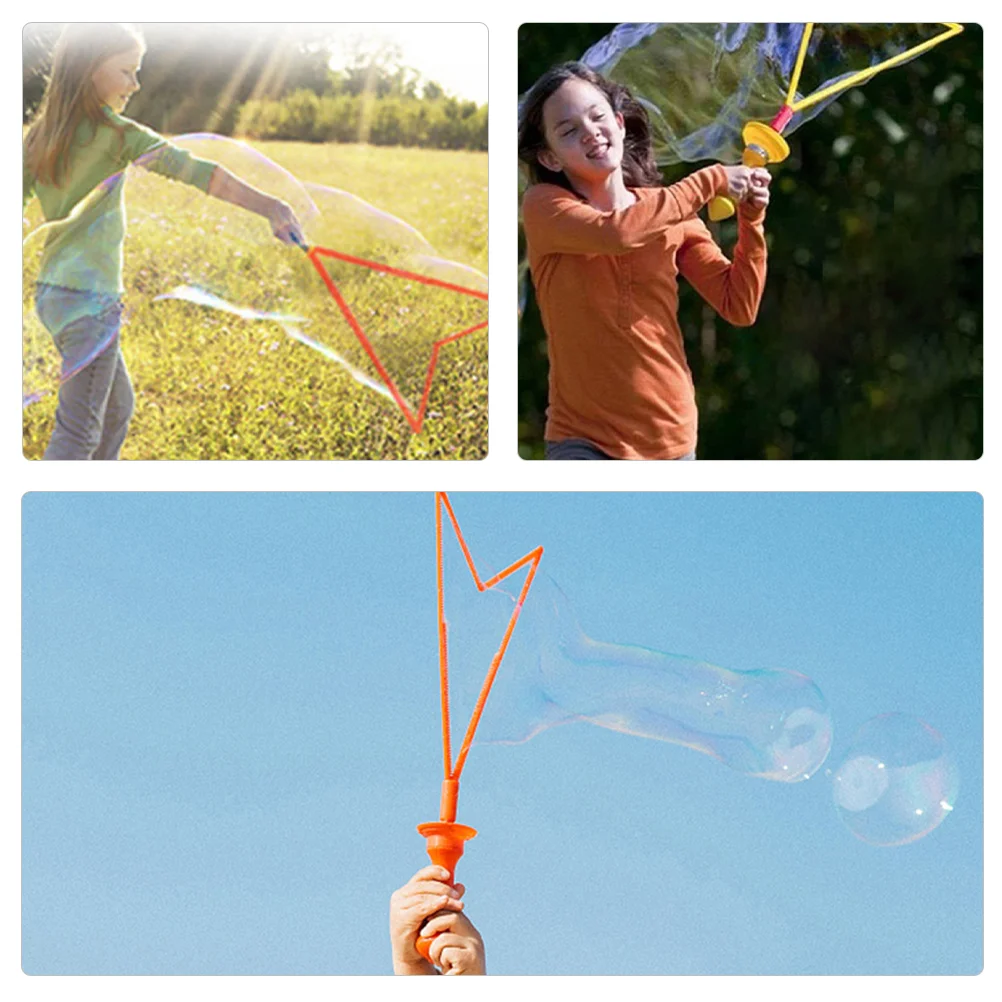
733,288
229,188
558,221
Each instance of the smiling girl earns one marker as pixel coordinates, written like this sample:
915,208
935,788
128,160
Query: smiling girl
606,244
74,154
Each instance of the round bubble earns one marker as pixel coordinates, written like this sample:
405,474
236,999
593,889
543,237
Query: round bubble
897,782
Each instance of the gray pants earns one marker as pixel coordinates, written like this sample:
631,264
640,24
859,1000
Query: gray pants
580,448
95,393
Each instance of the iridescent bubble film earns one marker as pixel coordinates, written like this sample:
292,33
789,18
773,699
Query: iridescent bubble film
397,299
701,83
897,781
769,723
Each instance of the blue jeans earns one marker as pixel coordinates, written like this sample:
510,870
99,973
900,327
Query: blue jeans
95,392
580,448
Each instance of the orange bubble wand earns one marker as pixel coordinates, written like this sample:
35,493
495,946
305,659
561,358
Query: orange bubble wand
415,418
445,838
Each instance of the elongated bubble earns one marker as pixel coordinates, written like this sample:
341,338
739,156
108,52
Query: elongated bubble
897,781
701,83
381,307
769,723
290,323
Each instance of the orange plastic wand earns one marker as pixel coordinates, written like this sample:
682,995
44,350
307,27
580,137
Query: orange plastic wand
446,839
414,418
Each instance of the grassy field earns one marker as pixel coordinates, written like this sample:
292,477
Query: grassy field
213,386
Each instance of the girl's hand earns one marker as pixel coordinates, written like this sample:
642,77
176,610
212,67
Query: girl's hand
410,908
758,192
456,947
285,225
738,182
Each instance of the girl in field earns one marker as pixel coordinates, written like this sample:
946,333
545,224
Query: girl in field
606,242
77,146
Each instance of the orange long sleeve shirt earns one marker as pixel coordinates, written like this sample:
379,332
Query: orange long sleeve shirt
607,288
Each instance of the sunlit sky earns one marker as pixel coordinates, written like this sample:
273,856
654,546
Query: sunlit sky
231,729
454,55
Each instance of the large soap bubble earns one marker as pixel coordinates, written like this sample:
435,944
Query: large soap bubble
397,302
769,723
897,782
701,83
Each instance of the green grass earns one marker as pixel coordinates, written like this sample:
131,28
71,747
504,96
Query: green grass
212,386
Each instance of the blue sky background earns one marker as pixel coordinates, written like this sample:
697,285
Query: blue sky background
230,723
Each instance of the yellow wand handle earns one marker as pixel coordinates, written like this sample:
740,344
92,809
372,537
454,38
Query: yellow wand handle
763,145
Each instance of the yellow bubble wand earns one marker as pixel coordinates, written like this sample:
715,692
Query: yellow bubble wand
764,142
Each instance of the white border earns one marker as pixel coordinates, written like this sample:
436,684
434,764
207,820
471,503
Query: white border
502,470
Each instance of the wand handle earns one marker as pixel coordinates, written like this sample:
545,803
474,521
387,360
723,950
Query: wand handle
763,145
446,841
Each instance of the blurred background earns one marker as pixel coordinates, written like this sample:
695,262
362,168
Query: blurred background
868,343
403,85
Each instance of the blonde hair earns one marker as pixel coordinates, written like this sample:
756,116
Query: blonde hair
70,96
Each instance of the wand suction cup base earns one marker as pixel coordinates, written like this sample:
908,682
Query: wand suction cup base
446,842
763,145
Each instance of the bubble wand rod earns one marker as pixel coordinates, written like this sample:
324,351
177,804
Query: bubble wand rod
445,838
415,418
764,144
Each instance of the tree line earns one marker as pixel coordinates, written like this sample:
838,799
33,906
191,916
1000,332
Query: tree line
237,80
389,120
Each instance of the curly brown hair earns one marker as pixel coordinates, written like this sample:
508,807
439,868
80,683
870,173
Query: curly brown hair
639,168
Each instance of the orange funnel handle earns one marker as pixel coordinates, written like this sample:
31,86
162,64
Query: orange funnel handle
446,842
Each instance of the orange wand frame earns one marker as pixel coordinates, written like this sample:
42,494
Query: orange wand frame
445,838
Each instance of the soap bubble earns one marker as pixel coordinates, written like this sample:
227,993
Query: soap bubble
701,83
769,723
398,303
897,782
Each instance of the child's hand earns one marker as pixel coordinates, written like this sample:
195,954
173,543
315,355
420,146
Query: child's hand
758,192
457,947
410,907
738,182
285,225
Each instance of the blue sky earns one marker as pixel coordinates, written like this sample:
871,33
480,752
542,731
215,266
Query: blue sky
230,723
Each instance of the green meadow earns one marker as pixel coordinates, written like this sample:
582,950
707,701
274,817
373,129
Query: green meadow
210,385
